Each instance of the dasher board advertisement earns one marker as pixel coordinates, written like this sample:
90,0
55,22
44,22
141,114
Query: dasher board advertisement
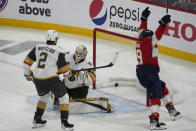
108,14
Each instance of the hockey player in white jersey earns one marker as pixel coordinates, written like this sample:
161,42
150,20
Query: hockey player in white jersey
49,61
77,83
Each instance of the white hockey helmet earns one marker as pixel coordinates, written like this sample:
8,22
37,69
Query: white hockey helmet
52,35
80,53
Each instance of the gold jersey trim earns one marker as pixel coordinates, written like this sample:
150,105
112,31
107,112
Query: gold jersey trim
41,105
64,107
63,69
46,78
28,61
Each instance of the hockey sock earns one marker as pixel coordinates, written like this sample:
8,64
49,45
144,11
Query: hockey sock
64,109
40,109
169,106
64,115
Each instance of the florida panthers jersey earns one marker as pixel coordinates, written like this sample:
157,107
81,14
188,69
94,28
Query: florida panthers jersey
80,78
147,49
49,61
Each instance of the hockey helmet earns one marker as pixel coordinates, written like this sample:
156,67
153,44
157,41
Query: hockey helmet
146,33
52,35
80,53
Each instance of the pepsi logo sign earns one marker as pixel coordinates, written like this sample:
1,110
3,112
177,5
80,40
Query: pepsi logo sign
3,4
98,12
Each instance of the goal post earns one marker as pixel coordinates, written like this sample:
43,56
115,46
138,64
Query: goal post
110,36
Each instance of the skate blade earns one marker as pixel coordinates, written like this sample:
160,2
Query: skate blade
38,126
163,128
176,117
158,128
67,129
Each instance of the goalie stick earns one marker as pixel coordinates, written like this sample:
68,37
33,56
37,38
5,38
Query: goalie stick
86,101
105,66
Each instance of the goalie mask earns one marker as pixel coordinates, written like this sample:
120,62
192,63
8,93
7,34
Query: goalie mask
80,53
52,35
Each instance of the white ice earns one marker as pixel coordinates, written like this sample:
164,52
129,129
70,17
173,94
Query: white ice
16,113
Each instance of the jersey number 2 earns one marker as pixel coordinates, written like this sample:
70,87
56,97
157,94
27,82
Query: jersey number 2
42,60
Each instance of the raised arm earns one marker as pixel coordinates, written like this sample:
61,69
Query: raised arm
163,22
144,18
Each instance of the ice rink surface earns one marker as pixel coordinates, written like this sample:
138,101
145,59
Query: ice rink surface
17,112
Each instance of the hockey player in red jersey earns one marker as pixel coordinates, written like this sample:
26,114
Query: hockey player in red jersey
148,69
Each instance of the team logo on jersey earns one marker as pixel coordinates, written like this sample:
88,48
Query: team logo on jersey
98,12
3,4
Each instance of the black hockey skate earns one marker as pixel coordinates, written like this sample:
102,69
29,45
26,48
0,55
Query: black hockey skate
38,122
156,125
66,126
174,114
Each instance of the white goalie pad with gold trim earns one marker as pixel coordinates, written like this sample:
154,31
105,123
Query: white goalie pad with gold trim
89,105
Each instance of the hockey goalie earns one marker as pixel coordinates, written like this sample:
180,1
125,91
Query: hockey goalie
77,84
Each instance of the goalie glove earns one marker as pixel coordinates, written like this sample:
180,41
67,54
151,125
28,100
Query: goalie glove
82,77
145,14
165,20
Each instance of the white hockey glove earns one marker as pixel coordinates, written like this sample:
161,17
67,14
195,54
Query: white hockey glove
28,77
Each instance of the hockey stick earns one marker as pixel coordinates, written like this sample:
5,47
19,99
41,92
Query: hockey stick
85,100
109,65
166,6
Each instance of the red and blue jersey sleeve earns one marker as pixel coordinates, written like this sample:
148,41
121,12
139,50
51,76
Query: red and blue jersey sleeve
143,25
159,32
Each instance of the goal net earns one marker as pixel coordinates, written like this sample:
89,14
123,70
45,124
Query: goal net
123,72
105,44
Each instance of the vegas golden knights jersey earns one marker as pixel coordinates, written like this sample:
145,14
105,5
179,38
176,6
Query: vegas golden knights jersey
49,61
77,82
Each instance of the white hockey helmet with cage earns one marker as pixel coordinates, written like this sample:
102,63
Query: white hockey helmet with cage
52,35
80,53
